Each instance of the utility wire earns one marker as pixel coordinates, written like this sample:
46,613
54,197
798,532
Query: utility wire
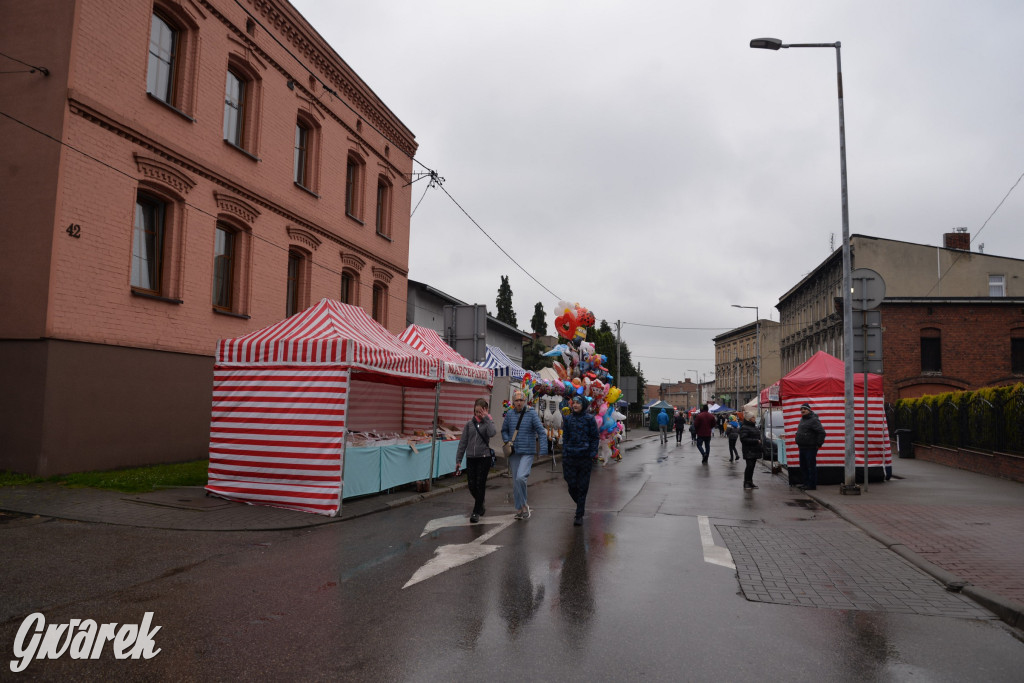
41,69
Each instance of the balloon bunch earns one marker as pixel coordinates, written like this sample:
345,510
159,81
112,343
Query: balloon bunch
581,371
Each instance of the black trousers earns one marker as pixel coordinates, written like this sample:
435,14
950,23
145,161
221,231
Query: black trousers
476,477
576,472
732,449
679,434
748,471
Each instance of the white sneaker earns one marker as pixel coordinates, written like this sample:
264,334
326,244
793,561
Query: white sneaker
524,514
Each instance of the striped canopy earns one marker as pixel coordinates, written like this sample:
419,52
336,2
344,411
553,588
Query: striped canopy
457,368
502,365
330,333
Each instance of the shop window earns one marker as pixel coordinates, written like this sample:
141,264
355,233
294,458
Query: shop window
148,244
380,303
1017,356
931,351
354,170
383,207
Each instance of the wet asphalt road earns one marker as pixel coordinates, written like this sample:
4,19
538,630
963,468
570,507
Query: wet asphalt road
629,595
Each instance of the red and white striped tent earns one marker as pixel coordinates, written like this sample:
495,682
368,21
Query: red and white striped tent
464,382
282,402
820,382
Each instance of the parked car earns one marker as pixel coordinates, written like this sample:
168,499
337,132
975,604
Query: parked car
772,427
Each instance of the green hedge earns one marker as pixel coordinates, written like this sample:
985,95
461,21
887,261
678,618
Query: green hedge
987,419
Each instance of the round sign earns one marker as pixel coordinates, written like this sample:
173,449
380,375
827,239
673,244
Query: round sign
868,289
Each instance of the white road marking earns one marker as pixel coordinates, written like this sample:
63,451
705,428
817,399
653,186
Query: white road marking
450,556
713,554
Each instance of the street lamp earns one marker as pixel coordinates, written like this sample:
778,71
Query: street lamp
757,346
850,484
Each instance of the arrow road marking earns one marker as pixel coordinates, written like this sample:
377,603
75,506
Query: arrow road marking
713,554
450,556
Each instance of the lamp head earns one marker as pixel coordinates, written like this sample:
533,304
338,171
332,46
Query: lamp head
766,43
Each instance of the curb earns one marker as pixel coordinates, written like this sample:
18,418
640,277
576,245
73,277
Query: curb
1009,611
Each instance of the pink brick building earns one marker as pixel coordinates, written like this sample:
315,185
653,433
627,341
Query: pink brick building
183,171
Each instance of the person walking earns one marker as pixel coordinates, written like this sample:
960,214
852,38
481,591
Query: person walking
732,431
753,449
475,445
704,422
693,432
580,441
680,425
810,436
523,428
663,420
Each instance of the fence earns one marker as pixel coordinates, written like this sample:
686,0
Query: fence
965,420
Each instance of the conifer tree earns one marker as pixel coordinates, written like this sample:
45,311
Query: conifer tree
506,313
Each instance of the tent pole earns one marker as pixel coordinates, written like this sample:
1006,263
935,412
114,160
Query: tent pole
433,435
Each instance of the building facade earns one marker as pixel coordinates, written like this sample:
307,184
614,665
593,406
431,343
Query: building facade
938,301
742,367
184,171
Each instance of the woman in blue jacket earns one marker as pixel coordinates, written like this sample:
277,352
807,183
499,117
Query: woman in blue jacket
523,427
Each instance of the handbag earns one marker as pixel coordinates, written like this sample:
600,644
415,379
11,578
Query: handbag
509,447
494,458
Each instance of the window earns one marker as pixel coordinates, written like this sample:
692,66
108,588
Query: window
301,154
383,207
234,109
347,288
148,243
380,303
1017,356
997,285
224,256
931,351
295,263
163,53
353,186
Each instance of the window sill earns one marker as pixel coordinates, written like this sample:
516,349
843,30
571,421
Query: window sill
242,150
155,297
307,190
171,107
354,218
232,314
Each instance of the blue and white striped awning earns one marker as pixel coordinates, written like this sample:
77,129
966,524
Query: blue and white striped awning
502,365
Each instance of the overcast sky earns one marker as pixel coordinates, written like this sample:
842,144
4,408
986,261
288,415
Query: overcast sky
639,158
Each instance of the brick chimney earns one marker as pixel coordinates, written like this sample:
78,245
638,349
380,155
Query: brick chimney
958,239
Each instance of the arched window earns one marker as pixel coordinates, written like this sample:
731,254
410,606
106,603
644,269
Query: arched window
383,207
380,303
354,180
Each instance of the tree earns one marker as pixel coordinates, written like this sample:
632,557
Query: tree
506,313
604,343
538,323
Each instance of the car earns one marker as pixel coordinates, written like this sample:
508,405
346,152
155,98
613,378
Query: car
772,427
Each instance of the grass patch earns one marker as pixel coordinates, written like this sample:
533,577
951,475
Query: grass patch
132,480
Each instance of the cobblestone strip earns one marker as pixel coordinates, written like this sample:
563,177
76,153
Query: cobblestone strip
835,569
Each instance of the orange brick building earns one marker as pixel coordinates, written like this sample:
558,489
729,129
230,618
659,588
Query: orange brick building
174,172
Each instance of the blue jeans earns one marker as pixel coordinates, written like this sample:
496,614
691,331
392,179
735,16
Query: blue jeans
704,446
519,466
809,466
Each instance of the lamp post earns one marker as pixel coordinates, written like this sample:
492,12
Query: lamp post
850,484
757,346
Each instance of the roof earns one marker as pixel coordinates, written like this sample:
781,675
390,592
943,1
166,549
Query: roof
824,375
330,332
502,365
457,368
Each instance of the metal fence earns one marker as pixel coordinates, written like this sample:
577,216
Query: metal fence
973,423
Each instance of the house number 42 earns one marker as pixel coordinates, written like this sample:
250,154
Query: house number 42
75,230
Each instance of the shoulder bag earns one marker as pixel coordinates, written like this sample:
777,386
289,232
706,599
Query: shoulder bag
509,447
490,450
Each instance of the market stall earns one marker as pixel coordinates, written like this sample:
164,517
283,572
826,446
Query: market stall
450,406
285,399
820,382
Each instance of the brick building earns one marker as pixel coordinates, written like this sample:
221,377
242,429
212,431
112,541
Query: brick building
951,318
177,172
738,366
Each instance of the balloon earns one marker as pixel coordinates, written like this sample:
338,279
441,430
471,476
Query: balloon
559,369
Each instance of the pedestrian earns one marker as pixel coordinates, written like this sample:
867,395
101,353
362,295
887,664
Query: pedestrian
721,425
732,431
753,449
680,425
663,420
704,422
523,429
810,436
693,432
580,441
475,444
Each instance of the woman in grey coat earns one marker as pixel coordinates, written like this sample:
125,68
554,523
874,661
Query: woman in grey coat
476,446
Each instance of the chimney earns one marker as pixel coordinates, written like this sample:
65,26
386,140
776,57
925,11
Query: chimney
958,239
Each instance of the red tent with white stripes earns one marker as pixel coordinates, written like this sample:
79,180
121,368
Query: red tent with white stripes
464,382
282,403
820,382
